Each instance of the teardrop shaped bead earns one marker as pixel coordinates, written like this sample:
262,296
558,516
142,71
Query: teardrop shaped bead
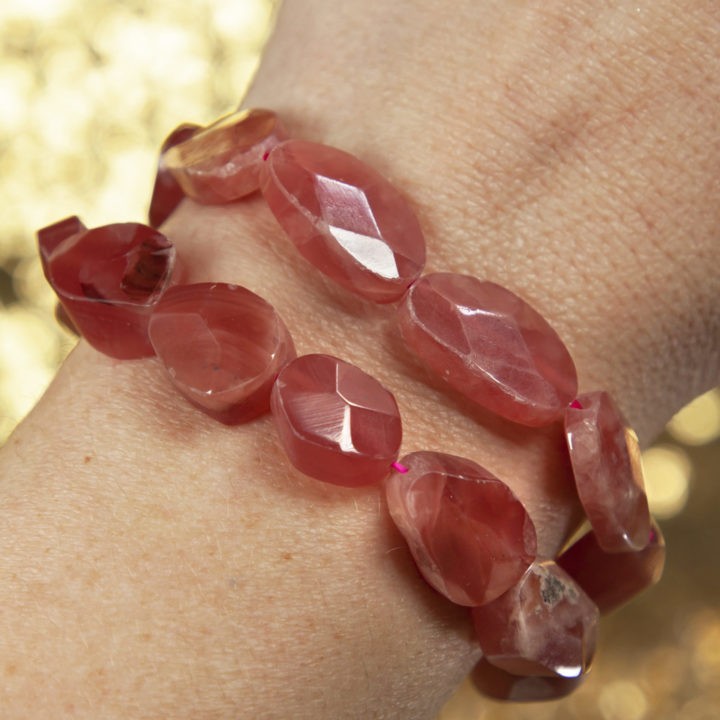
336,423
544,625
344,218
223,347
471,538
490,345
108,279
605,457
220,163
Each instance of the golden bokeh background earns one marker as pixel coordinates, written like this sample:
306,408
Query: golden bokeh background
88,90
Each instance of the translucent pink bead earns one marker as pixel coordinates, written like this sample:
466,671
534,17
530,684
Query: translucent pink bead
221,162
336,423
608,472
345,218
223,347
545,625
471,538
490,345
612,579
108,280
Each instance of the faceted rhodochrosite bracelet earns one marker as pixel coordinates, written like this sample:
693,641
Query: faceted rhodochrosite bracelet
230,354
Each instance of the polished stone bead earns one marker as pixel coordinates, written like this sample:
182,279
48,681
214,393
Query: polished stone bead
167,193
220,163
545,625
605,459
223,347
344,218
471,538
500,685
108,279
490,345
51,236
612,579
336,423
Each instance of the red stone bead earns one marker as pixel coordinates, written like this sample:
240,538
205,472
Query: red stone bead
612,579
108,279
545,625
51,236
608,472
345,218
223,347
471,538
220,163
167,194
490,345
337,423
500,685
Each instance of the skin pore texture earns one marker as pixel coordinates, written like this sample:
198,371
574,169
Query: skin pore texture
155,563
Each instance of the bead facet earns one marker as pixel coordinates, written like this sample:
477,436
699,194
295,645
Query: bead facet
344,218
545,625
605,458
612,579
490,345
471,538
108,279
223,347
336,423
51,236
220,163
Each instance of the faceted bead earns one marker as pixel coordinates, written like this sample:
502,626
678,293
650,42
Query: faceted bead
220,163
490,345
167,194
108,279
223,347
51,236
344,218
337,423
612,579
500,685
605,458
545,625
471,538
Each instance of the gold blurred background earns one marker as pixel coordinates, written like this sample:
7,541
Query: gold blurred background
88,90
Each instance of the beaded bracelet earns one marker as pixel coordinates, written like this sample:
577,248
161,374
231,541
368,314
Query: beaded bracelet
230,354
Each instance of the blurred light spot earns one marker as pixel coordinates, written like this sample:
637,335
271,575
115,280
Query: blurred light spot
667,479
33,9
706,655
622,700
701,708
699,422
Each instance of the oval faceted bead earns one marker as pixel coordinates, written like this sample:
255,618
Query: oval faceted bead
220,163
605,458
223,347
337,423
167,193
612,579
471,538
345,218
108,279
545,625
490,345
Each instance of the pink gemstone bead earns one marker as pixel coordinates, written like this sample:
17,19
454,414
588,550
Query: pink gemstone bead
490,345
608,473
345,218
545,625
612,579
221,162
51,236
500,685
167,194
223,347
471,538
337,423
108,279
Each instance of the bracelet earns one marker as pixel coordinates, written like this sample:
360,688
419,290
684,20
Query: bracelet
229,353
